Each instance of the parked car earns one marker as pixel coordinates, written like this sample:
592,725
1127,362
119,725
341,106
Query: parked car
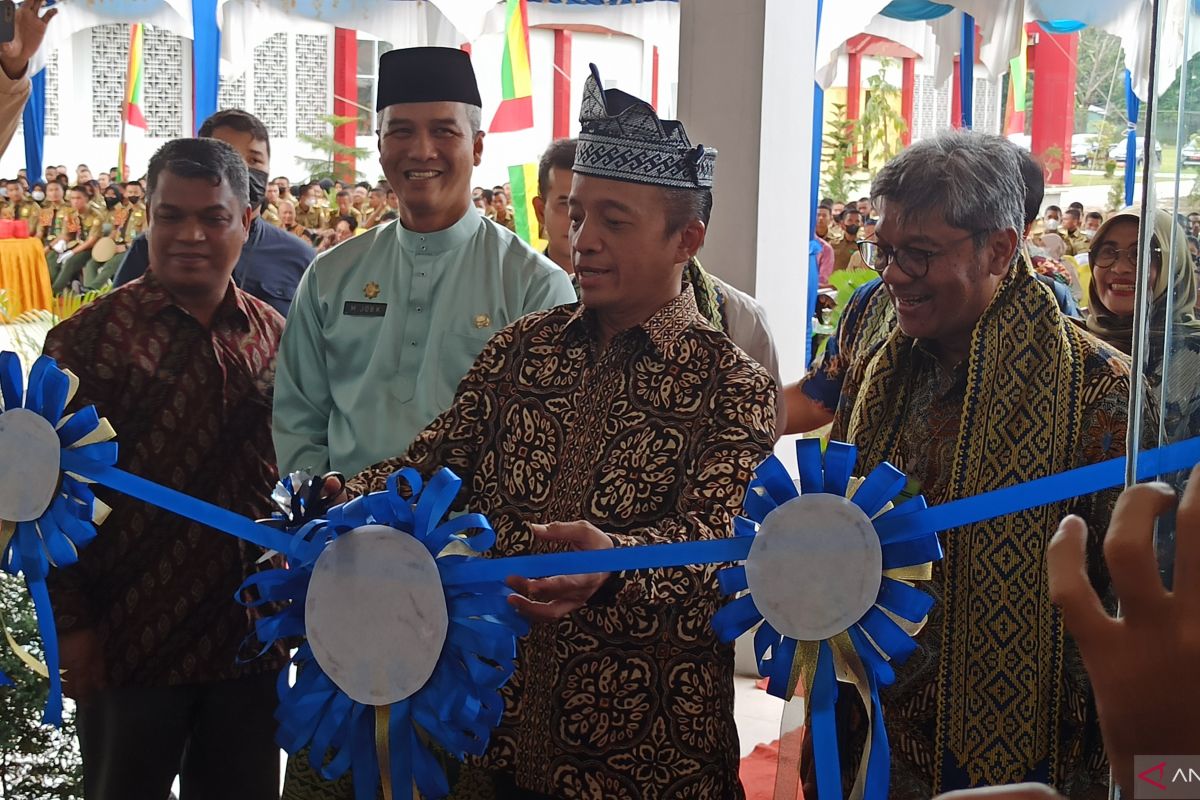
1083,148
1189,156
1117,153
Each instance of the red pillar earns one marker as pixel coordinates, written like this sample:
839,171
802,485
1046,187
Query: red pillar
956,96
562,84
853,86
853,97
1053,58
654,81
907,91
345,89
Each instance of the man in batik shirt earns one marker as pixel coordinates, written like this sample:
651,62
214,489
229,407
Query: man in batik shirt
625,420
181,362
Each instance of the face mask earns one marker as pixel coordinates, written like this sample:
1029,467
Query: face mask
39,196
3,192
111,202
258,187
1088,234
1051,224
851,230
134,199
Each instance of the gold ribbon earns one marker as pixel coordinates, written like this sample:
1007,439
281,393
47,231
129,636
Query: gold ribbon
383,749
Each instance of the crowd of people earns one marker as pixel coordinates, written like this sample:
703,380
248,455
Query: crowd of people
610,392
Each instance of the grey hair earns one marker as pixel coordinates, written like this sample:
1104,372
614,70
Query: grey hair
972,179
474,119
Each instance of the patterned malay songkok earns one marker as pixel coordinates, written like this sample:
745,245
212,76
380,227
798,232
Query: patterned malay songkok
622,139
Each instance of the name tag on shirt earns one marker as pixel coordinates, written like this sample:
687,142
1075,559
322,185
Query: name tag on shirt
352,309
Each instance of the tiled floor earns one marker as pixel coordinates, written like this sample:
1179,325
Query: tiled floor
757,714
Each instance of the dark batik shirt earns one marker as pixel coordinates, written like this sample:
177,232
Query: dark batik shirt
651,440
192,410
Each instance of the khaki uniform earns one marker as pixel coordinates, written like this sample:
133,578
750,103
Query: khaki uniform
78,228
843,250
371,216
1076,242
314,219
124,223
353,212
270,215
51,221
26,210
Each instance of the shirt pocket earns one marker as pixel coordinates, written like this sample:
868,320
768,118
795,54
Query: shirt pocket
457,356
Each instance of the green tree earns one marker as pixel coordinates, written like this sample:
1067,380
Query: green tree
1100,82
1168,122
36,761
881,125
329,167
837,155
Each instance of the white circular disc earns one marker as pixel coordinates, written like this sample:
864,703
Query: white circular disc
815,566
29,463
376,614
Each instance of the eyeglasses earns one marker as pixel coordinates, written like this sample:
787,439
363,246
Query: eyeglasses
1106,255
912,261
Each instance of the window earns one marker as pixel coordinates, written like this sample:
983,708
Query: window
369,51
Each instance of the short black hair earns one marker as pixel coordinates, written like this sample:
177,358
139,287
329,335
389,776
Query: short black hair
1076,205
363,185
132,183
1034,176
343,193
850,210
486,195
559,155
827,205
1053,208
115,187
379,189
349,220
210,159
238,120
1074,212
685,205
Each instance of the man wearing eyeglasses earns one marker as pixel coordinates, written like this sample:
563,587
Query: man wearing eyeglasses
982,384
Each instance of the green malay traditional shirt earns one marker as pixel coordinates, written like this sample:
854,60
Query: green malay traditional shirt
384,327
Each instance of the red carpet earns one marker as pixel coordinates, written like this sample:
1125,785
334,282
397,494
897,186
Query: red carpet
758,773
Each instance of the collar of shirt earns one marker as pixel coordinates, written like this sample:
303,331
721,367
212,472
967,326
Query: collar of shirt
438,242
944,381
155,298
662,329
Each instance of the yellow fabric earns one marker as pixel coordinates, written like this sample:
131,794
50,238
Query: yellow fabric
1025,369
24,275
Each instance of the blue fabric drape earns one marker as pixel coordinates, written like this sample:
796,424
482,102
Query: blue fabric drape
34,119
1132,105
1060,25
966,71
814,247
911,10
206,60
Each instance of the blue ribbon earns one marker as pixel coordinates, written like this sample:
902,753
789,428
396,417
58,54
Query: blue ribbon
824,725
906,527
79,462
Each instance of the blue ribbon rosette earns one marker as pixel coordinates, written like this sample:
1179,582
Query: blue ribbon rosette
832,599
46,516
442,681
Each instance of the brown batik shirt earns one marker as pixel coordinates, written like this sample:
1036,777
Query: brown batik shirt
192,411
652,440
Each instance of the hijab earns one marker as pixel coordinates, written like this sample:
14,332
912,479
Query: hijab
1118,330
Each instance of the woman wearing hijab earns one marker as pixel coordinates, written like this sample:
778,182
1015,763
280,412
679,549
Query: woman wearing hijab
1113,258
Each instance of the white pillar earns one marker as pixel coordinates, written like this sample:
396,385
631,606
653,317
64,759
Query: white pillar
746,72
